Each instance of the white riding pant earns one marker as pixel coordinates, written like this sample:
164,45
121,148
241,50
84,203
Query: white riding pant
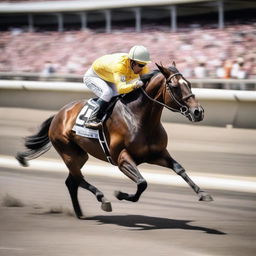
103,89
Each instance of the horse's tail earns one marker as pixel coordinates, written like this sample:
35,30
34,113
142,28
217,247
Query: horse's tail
36,144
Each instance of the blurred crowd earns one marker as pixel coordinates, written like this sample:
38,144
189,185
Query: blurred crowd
198,53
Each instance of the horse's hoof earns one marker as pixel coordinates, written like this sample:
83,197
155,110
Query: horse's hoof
106,206
205,197
120,195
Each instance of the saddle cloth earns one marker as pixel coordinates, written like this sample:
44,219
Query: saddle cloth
81,130
82,117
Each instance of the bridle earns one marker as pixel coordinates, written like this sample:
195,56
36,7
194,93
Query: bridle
184,110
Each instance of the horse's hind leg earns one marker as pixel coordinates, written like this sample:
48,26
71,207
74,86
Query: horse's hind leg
105,204
129,168
74,158
72,185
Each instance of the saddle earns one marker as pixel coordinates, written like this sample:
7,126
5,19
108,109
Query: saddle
99,134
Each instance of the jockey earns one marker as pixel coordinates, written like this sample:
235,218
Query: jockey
115,74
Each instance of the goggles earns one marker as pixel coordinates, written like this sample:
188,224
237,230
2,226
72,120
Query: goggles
141,65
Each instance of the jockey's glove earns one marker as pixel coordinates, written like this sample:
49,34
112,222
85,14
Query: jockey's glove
138,84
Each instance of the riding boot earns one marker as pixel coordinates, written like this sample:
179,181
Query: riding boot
94,121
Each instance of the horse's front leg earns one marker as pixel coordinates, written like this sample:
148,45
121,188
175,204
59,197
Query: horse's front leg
127,165
164,159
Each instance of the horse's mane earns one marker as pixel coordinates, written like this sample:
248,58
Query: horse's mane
147,77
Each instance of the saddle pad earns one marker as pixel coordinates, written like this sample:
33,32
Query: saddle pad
86,132
82,117
81,130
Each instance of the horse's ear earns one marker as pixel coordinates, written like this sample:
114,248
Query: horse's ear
164,71
174,64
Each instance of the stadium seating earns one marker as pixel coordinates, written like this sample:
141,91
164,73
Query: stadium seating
74,51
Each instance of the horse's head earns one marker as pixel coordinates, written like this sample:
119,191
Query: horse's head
177,94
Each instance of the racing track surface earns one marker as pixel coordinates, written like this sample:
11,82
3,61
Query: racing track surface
168,220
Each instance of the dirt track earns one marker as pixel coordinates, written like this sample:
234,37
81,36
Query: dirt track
167,220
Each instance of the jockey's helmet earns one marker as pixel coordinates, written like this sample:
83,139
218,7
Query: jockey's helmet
139,53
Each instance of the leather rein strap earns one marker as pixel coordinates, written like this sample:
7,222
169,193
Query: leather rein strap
183,108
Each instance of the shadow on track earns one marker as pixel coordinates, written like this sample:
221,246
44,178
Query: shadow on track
141,222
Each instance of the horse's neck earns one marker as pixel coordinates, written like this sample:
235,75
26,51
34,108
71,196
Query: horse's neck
143,107
154,90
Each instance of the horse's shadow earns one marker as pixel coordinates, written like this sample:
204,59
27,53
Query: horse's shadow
141,222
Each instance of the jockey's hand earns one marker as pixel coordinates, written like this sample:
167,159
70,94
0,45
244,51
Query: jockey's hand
138,84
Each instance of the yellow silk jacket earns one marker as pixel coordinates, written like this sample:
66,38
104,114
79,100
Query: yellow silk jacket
115,68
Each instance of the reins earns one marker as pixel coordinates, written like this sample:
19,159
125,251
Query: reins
183,108
159,102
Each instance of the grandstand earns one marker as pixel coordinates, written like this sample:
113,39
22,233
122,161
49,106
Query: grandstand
71,34
64,15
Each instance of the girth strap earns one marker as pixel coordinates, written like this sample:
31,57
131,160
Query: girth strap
104,145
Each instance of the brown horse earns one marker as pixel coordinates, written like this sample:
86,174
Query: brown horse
133,131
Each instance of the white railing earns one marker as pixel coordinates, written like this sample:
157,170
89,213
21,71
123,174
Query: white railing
222,107
213,83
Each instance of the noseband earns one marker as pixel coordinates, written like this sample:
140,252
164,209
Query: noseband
169,86
183,108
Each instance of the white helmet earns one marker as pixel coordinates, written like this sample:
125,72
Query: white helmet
139,53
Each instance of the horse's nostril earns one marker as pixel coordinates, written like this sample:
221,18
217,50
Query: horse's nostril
197,113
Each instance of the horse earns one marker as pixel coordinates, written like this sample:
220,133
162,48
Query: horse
133,131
